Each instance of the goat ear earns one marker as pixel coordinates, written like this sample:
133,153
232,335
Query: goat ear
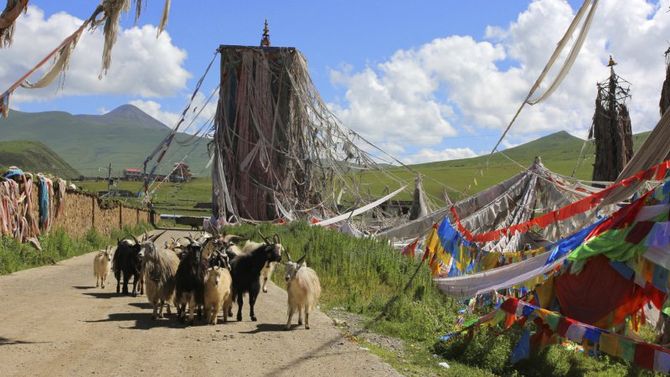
276,238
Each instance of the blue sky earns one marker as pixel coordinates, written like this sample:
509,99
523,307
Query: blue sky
330,34
354,48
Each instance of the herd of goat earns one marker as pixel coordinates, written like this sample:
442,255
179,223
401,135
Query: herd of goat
206,275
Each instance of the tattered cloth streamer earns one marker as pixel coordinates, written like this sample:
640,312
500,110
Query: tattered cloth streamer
655,172
59,197
8,19
60,65
45,194
113,10
16,219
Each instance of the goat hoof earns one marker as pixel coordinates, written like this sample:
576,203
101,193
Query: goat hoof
103,287
299,322
265,290
239,318
306,327
253,319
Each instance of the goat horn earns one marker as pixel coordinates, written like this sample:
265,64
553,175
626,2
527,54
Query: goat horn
288,255
137,242
157,236
265,239
301,259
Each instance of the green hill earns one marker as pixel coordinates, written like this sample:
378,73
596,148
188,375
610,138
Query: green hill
125,137
559,152
34,157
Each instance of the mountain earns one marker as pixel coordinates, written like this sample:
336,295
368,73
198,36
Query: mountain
123,137
125,114
34,157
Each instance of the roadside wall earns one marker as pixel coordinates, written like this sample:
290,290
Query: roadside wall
84,211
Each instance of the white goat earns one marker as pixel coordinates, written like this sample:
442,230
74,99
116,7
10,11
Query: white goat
102,264
304,290
268,269
218,293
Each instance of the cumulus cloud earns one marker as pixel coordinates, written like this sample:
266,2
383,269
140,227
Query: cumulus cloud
153,108
458,84
428,155
141,64
201,112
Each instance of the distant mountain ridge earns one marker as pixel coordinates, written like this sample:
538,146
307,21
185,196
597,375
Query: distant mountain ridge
123,137
125,113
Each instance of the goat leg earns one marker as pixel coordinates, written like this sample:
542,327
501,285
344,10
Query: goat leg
290,316
299,315
191,310
117,275
253,294
240,301
306,319
126,279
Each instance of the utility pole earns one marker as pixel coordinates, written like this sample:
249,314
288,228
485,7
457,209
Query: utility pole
109,178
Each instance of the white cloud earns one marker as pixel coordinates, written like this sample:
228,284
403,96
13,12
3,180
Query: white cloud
429,155
194,119
142,65
453,84
153,108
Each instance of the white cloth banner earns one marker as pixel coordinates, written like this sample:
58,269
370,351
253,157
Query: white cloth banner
358,211
497,278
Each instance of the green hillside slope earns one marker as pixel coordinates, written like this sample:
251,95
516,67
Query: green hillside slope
34,157
89,145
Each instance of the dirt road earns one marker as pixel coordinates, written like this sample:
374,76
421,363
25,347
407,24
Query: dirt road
54,322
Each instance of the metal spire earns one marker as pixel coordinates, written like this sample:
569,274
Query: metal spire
265,42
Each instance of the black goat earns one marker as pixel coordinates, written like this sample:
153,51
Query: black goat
127,262
190,280
246,271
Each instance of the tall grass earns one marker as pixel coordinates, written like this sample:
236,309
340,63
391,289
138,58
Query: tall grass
56,246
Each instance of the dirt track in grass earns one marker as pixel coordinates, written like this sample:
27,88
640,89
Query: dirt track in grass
54,322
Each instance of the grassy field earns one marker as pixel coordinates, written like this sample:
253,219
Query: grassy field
170,198
367,277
